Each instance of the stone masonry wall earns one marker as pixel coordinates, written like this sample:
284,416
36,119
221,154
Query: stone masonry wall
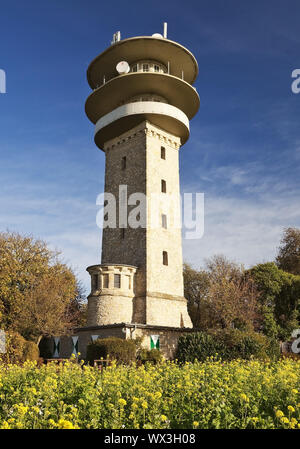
168,338
143,247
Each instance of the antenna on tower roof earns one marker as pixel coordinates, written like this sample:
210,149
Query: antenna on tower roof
165,30
116,37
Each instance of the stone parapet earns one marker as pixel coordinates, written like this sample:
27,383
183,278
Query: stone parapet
112,292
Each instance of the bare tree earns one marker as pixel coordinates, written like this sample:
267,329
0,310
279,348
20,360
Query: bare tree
196,285
224,295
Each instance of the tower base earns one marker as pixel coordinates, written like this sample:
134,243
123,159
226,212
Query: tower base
109,303
165,338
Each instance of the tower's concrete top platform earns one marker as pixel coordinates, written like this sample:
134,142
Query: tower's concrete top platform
177,92
178,58
126,117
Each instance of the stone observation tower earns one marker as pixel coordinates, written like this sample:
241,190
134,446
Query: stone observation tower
141,103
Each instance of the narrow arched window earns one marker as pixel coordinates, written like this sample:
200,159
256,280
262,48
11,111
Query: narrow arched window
164,221
117,281
165,258
95,281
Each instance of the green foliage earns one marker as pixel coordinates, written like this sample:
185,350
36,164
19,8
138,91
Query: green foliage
150,355
227,344
121,350
197,346
246,345
268,279
279,298
270,326
273,349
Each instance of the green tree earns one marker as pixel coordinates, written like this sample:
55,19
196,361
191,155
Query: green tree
279,296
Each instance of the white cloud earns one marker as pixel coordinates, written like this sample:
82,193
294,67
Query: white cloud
66,224
246,233
245,229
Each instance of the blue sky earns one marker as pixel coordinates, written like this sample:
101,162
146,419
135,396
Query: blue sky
244,150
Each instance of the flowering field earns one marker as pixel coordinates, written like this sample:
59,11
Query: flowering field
236,394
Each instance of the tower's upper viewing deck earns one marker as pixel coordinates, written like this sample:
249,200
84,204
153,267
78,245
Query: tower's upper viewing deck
176,59
142,78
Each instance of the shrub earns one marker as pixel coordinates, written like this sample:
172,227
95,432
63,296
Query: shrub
243,344
153,356
14,348
198,346
18,350
121,350
31,351
273,350
226,344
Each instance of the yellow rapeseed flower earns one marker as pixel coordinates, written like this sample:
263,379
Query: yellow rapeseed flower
64,424
285,420
279,414
21,409
244,397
